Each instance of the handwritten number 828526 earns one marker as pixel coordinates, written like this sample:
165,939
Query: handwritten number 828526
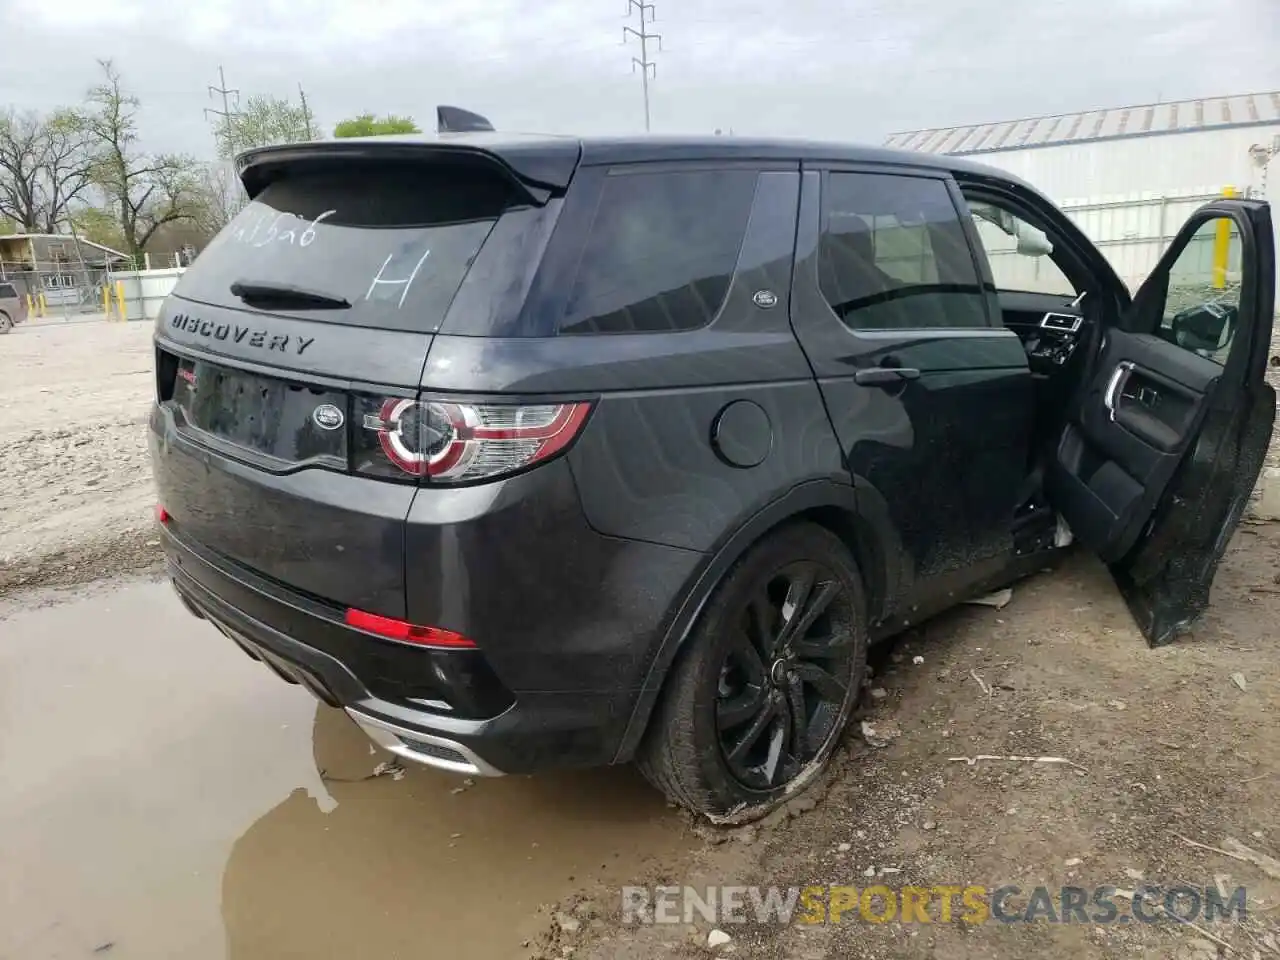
275,232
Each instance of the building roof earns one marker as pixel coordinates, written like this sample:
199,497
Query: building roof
66,238
1144,120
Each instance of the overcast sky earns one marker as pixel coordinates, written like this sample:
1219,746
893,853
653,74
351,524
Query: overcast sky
858,69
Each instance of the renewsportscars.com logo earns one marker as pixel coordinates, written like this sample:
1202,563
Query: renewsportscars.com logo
941,903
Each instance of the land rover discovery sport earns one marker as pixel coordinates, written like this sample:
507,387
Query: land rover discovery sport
533,452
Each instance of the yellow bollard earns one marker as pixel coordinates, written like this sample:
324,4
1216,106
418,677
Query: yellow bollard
106,302
44,305
31,307
120,299
1222,246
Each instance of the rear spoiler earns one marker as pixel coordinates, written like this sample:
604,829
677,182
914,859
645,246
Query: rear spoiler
542,166
540,172
457,120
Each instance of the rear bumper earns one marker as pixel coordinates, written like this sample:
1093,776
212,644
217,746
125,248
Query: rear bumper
329,681
304,641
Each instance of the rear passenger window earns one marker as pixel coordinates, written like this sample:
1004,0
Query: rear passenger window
893,255
661,251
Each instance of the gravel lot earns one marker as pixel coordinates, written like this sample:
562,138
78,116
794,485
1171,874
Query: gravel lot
75,480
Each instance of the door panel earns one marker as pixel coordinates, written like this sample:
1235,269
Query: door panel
1139,415
930,399
1165,441
1158,411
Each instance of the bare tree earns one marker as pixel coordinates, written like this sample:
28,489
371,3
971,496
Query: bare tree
145,190
46,164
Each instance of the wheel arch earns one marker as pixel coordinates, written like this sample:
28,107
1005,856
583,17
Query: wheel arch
853,512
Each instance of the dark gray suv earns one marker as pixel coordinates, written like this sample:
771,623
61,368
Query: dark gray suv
536,452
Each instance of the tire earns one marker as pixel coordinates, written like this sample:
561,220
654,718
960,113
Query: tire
6,323
716,697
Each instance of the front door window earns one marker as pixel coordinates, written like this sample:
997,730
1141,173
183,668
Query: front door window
1018,257
1202,307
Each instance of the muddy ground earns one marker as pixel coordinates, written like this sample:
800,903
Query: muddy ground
165,796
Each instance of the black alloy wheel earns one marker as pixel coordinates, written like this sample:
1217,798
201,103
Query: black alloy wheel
784,680
762,687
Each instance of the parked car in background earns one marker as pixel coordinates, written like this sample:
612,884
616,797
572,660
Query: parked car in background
538,452
13,307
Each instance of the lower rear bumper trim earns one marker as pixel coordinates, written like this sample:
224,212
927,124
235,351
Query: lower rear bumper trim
424,748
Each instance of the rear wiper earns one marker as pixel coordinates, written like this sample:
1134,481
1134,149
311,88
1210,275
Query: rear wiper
284,295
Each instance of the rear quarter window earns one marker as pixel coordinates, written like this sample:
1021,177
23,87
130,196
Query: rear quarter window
7,292
661,250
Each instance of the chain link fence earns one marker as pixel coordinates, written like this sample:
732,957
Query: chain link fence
79,287
58,288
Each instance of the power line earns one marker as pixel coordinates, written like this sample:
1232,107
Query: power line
644,36
227,93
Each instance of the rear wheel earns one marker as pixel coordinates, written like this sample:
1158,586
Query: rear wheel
760,695
6,323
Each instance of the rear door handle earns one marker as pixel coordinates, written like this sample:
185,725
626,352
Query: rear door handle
885,376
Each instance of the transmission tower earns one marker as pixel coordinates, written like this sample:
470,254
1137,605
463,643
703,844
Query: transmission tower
647,67
226,113
306,112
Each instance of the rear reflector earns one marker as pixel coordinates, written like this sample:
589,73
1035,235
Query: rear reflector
394,629
162,515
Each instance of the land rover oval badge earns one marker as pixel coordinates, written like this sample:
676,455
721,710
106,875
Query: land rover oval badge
328,417
765,299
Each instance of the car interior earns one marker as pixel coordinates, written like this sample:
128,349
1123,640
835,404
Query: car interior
1052,316
1104,455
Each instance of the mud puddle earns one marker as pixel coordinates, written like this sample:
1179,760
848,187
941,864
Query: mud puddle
162,796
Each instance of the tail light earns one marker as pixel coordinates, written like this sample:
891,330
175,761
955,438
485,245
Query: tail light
449,442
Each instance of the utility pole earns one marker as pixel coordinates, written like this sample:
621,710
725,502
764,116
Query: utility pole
226,112
647,67
306,112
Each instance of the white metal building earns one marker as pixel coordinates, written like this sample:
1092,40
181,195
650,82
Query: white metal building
1130,176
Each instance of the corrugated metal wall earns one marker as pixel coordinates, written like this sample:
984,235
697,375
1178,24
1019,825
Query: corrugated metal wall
1134,232
1131,196
1157,164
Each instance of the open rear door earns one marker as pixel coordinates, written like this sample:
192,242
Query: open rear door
1167,436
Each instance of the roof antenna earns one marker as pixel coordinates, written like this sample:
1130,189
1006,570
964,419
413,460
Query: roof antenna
457,120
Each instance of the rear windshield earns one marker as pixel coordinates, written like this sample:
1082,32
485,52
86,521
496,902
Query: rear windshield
394,242
7,292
